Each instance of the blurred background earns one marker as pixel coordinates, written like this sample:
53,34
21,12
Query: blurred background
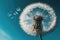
10,11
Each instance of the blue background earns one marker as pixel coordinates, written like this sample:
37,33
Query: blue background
12,27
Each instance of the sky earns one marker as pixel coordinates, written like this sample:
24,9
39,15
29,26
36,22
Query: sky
10,11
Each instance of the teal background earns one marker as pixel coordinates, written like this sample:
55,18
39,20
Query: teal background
12,27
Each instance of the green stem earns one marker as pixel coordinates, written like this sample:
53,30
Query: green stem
40,36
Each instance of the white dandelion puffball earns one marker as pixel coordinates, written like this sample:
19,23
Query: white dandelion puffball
41,9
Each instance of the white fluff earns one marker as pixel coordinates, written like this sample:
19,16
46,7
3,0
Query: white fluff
28,28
